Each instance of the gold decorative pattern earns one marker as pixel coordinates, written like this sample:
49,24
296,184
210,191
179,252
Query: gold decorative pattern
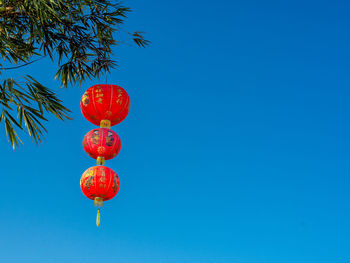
85,99
98,89
101,150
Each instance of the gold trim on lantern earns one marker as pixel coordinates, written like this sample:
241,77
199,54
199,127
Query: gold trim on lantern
105,124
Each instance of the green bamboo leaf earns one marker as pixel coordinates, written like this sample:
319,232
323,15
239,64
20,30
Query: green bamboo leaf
77,35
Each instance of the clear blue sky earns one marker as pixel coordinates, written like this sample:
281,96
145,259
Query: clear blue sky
236,148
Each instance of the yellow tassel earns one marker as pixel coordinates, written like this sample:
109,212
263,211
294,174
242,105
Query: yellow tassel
98,218
98,202
105,124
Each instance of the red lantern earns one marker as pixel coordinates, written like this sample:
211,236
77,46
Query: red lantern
107,103
99,183
102,143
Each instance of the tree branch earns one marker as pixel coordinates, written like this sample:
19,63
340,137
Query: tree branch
26,64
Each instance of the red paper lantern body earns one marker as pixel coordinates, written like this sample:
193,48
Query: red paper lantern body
100,182
102,142
105,102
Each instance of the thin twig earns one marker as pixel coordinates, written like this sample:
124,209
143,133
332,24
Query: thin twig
26,64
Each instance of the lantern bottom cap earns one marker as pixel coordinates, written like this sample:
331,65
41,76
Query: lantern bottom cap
105,124
100,160
98,201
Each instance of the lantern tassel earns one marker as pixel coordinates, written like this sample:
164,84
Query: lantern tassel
98,218
98,202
